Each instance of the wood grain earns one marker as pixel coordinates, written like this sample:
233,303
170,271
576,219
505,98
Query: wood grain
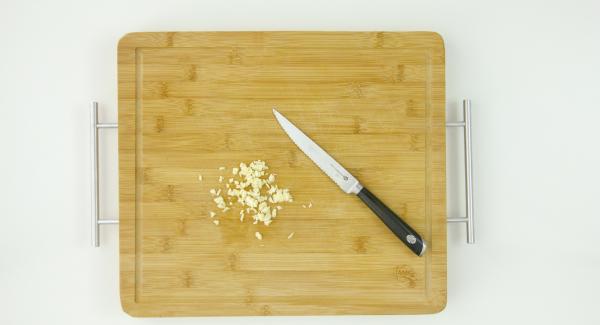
194,101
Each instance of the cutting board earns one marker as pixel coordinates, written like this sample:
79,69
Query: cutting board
191,102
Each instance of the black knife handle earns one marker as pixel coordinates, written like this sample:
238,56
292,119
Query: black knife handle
400,228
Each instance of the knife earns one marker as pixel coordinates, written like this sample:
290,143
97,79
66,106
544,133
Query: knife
351,185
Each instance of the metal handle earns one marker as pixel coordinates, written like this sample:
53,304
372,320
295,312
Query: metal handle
96,221
466,125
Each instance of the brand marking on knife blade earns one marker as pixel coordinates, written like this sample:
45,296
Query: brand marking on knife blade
340,173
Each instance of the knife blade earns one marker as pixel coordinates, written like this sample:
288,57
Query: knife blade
349,184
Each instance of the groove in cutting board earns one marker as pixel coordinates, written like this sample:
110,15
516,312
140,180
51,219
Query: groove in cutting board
139,176
191,102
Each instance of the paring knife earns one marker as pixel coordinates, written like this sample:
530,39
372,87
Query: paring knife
351,185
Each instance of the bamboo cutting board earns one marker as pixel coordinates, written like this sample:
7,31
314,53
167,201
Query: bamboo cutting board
192,102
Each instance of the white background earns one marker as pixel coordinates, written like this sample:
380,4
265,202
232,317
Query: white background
530,67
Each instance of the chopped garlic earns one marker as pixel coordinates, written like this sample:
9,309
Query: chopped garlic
250,201
212,191
258,235
216,222
291,235
281,195
304,206
255,190
310,204
200,178
221,168
212,214
220,202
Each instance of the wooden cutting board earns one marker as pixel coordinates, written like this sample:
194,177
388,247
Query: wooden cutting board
194,101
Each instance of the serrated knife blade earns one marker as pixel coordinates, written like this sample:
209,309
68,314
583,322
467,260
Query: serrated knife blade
336,172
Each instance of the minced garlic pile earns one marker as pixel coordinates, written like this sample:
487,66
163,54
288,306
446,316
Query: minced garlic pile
254,190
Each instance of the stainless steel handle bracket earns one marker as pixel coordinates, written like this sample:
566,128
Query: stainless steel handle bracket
466,125
96,221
